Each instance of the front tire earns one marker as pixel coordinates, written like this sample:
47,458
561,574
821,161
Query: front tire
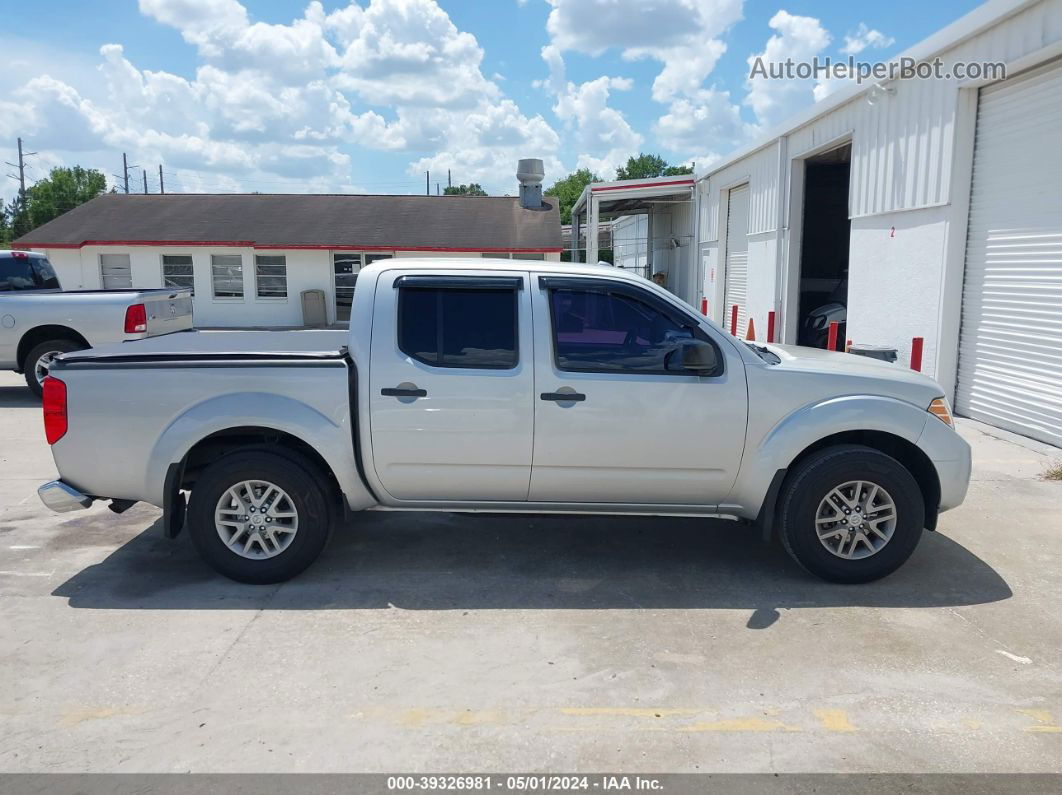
851,514
260,517
39,359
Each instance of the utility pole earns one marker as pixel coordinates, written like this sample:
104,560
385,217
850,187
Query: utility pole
144,172
162,185
427,183
449,184
125,172
21,166
436,188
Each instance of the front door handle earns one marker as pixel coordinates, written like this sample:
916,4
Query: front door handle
564,397
401,392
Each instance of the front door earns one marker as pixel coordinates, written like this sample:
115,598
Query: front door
451,381
636,430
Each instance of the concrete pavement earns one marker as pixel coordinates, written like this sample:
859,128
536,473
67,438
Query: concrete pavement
435,642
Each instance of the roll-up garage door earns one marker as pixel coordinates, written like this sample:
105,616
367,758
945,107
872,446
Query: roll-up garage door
736,275
1010,344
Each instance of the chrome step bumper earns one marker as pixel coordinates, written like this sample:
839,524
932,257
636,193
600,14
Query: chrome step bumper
62,498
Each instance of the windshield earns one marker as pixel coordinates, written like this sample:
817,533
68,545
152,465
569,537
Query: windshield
26,273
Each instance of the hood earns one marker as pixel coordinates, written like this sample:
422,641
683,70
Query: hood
874,375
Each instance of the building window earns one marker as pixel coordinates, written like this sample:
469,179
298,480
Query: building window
528,255
345,268
177,271
271,276
444,327
495,255
115,273
227,275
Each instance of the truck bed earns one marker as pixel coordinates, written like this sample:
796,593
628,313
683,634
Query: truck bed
195,343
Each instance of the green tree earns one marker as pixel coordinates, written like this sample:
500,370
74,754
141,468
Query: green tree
18,220
5,228
644,166
472,189
63,189
569,189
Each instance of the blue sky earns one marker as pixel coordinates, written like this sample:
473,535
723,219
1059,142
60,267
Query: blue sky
291,96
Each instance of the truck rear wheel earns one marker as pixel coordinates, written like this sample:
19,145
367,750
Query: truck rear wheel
851,514
39,360
260,517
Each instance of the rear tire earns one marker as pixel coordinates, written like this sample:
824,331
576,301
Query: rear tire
260,517
39,357
835,511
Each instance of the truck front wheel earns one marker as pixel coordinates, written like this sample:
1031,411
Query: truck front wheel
259,517
851,514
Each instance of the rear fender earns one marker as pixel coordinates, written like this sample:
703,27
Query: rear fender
242,409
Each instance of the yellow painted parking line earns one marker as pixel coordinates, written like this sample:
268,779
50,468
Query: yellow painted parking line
1045,724
834,720
630,712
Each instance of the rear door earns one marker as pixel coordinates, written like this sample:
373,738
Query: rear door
636,432
451,378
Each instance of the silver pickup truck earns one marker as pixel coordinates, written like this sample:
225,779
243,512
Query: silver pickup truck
38,321
479,385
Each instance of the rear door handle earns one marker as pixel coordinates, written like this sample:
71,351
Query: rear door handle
413,392
564,397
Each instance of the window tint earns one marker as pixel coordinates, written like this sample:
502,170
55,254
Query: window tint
227,275
271,276
177,271
45,273
458,328
16,273
612,332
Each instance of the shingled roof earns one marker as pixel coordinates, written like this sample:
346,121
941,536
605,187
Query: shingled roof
458,223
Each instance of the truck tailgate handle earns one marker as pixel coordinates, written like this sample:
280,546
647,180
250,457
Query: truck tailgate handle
564,397
402,392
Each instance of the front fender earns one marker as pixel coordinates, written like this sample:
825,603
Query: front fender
259,409
802,428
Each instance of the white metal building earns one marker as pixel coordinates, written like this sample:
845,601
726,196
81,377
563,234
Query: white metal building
652,223
936,203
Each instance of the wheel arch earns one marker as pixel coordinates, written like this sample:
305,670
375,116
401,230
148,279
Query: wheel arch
39,334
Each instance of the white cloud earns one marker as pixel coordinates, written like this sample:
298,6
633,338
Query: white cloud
798,39
683,35
281,105
710,119
864,37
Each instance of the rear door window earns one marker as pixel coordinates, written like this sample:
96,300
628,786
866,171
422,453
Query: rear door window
16,273
456,327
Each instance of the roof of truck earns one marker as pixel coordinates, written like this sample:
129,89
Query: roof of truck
306,221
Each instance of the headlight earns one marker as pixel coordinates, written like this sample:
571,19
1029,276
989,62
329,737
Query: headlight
940,409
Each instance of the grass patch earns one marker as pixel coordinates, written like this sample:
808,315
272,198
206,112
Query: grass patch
1053,471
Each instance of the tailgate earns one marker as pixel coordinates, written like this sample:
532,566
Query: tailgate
168,313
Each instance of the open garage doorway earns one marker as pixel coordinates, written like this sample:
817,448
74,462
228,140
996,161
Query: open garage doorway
824,245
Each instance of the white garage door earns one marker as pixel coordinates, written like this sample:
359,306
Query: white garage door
1010,345
736,273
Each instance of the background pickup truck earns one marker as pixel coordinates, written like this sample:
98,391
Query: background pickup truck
478,385
38,321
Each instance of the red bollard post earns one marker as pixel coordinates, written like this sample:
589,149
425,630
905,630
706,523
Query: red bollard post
733,319
831,339
916,353
704,307
770,327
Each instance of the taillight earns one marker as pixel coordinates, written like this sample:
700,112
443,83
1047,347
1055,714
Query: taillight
55,422
135,319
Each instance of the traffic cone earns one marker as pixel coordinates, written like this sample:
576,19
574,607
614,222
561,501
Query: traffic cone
752,331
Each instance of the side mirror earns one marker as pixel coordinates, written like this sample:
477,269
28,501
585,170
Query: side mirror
695,356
